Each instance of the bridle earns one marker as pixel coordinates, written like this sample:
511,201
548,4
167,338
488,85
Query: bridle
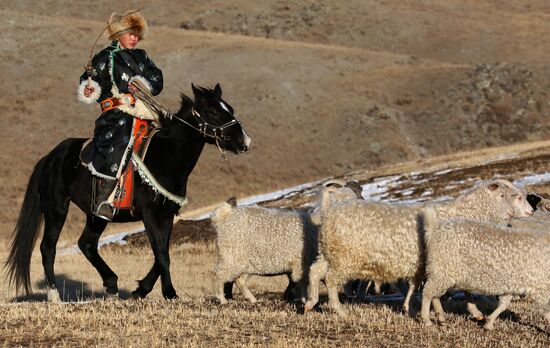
207,129
203,127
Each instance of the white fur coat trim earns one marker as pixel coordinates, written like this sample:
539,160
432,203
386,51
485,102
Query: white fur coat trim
93,97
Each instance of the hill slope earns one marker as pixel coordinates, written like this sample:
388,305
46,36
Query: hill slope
333,88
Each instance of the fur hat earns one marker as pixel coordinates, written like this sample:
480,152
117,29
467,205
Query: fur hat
131,21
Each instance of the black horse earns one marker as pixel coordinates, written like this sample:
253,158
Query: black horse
59,178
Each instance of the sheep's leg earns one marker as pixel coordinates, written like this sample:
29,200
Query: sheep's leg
334,301
332,289
412,287
223,280
316,272
245,291
302,286
432,292
503,303
362,290
425,311
438,308
219,284
377,290
472,308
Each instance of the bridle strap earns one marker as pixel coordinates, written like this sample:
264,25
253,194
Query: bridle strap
216,132
144,94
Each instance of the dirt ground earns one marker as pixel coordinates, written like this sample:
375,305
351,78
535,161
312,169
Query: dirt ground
360,89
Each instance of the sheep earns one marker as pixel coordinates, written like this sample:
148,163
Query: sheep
255,240
384,242
485,258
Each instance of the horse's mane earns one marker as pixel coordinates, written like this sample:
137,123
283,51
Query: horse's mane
186,104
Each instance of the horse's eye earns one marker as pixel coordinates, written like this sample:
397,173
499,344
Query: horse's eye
214,112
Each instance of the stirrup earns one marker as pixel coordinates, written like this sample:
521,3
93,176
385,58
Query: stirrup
105,211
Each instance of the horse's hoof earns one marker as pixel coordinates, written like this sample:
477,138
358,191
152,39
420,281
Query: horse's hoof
111,297
138,294
53,296
171,296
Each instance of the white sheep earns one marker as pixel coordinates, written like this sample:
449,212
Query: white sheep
384,242
485,258
255,240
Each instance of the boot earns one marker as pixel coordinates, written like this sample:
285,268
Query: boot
102,207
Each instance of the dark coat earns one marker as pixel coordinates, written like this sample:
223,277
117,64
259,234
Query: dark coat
113,69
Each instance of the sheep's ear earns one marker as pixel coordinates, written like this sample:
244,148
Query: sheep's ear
356,188
232,201
493,186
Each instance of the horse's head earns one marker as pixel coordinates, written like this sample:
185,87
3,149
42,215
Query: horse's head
217,121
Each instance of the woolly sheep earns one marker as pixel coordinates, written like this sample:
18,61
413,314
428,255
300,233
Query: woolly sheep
384,242
484,258
255,240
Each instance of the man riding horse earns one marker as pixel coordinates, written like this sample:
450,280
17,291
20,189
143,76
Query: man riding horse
109,81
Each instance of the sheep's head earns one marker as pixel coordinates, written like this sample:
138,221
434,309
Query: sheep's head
224,210
343,190
509,200
334,191
517,197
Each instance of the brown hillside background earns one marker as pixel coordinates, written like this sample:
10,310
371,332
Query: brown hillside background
323,88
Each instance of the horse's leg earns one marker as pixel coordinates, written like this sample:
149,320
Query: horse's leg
54,218
145,286
158,231
88,244
288,295
228,290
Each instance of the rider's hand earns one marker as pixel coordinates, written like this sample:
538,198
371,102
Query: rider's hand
132,88
88,90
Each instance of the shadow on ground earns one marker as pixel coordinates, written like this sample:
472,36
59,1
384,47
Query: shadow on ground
69,291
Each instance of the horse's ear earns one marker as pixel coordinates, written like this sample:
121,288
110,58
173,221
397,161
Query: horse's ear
196,91
218,91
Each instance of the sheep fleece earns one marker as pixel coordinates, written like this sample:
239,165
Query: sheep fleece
256,240
488,259
355,243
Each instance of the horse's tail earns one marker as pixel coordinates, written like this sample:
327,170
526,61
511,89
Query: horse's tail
26,232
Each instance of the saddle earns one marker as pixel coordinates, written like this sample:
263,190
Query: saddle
122,196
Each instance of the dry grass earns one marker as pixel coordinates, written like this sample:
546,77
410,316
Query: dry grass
201,321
